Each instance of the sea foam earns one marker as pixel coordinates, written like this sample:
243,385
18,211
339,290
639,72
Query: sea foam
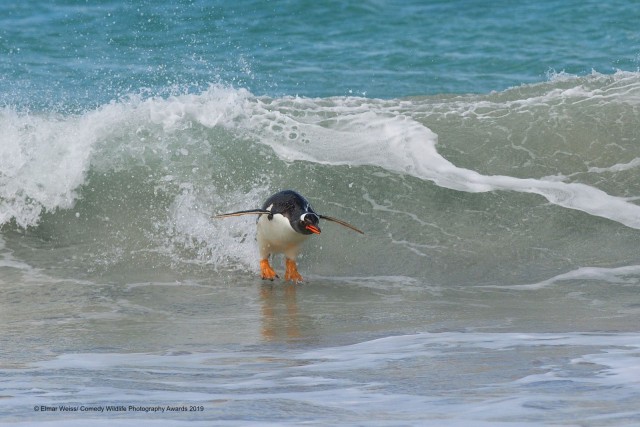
402,145
46,157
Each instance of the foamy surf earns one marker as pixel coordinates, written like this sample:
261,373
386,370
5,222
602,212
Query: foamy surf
396,142
626,275
333,384
142,176
46,158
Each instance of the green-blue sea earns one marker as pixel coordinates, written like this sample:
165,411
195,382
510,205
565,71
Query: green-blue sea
489,150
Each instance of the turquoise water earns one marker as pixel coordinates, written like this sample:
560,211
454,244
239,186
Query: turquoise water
68,53
488,150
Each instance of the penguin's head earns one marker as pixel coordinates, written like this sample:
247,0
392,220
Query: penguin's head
307,223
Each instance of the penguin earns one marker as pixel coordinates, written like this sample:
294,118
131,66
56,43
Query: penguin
285,220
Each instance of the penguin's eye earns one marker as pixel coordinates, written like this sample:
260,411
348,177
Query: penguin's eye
308,217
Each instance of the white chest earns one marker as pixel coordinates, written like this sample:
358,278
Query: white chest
277,236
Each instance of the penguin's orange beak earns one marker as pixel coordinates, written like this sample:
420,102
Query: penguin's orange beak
312,228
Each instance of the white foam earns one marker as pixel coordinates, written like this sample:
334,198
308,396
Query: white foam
621,367
39,167
502,379
377,351
610,275
45,158
618,167
372,135
217,241
8,260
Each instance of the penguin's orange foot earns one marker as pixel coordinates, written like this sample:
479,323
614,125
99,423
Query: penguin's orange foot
267,272
292,271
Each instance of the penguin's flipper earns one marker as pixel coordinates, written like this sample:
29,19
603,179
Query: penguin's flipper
239,213
339,221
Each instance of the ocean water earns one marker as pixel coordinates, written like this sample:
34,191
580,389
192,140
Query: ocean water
490,152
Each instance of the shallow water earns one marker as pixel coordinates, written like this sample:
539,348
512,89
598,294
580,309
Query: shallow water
381,351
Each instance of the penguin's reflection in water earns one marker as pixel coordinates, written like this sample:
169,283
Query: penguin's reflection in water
280,319
285,221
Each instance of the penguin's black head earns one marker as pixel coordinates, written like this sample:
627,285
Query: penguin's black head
307,224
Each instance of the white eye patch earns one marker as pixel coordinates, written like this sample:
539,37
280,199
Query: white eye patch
304,215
